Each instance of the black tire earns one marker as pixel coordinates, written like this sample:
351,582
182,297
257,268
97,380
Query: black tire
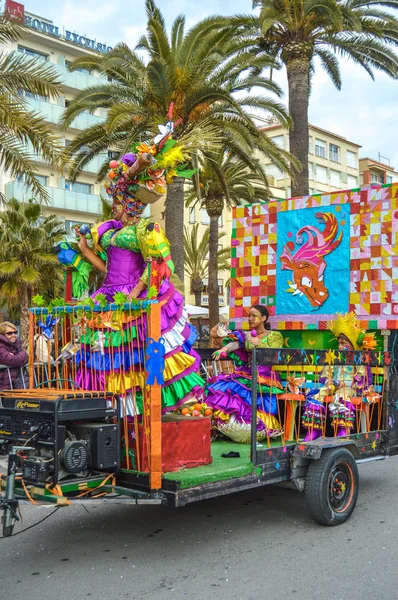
331,487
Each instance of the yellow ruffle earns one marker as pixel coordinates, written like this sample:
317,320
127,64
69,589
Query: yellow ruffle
176,364
269,421
118,383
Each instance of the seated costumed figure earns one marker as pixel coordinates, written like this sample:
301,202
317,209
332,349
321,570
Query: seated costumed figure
340,382
138,261
230,395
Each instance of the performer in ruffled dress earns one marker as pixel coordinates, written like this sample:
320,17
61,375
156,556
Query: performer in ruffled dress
138,261
340,382
230,395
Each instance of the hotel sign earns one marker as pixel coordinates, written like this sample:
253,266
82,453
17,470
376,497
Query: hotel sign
17,11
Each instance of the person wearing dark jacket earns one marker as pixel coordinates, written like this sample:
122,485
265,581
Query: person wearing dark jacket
12,355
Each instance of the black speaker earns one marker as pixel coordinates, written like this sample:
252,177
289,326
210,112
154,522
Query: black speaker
104,443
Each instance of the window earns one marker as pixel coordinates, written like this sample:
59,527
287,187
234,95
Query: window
80,70
310,145
206,286
278,141
352,182
77,186
192,218
320,148
374,178
112,155
351,159
274,171
220,221
43,179
334,153
389,179
67,102
205,217
335,178
382,178
321,174
32,53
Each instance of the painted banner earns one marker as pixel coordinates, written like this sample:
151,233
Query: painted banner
308,258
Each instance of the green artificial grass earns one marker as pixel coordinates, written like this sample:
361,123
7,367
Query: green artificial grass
219,469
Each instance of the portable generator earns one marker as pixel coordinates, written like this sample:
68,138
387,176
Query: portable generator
69,434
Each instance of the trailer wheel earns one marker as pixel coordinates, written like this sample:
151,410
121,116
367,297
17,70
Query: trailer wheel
331,487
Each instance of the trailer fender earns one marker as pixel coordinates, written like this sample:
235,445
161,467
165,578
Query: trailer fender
313,450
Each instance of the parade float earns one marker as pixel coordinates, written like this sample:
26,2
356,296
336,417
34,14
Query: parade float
109,420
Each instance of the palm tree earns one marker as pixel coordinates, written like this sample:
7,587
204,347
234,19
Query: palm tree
198,72
197,258
224,180
27,262
298,31
20,128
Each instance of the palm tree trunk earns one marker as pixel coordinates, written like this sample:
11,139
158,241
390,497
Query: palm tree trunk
198,298
174,223
299,93
24,320
214,314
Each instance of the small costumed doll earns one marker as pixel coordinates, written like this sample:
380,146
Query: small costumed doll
342,382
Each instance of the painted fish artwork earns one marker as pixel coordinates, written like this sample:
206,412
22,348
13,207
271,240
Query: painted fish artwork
306,258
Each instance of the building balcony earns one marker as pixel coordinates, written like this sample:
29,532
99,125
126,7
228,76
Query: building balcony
96,163
59,198
53,114
93,166
77,80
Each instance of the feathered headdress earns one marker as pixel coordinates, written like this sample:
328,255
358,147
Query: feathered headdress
141,176
349,326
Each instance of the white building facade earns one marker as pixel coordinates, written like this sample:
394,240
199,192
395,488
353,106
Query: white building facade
77,202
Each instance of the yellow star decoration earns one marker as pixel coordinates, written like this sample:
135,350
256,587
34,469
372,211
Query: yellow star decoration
343,487
374,444
147,430
330,357
148,412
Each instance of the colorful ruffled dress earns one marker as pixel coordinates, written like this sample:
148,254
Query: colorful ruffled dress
112,355
341,410
230,395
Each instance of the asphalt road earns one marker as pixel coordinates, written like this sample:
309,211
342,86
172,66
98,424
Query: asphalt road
252,545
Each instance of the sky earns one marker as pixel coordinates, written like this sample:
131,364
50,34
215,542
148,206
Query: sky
364,111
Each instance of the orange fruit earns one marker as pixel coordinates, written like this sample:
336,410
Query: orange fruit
197,407
208,412
185,411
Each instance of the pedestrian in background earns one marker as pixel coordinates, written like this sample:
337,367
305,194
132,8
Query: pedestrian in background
12,355
219,332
